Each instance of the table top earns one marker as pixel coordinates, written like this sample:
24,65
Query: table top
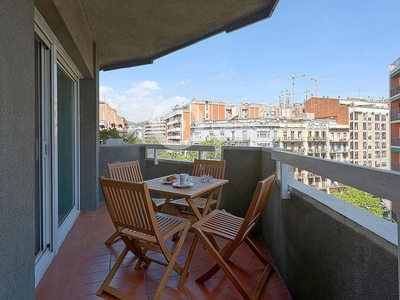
197,189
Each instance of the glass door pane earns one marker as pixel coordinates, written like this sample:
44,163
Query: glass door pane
38,154
42,157
66,143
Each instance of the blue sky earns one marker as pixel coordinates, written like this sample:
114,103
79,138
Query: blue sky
351,42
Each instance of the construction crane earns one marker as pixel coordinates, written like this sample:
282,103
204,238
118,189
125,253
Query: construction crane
286,78
306,92
316,84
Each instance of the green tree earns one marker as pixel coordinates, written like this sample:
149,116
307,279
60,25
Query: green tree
154,139
109,133
363,200
218,151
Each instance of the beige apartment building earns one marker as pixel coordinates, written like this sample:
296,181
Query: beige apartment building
109,117
368,123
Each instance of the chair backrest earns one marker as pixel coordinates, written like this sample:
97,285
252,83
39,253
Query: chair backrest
126,171
257,204
129,205
214,168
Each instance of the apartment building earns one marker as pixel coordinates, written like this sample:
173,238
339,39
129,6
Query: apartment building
181,118
368,123
154,130
394,85
109,117
394,79
237,132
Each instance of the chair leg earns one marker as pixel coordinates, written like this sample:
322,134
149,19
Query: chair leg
224,254
256,251
222,264
188,260
106,283
171,263
112,238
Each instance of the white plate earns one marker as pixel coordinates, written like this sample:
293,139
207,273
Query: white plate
167,182
164,180
177,184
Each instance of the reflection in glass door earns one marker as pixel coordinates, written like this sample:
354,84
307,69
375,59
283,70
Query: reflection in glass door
66,120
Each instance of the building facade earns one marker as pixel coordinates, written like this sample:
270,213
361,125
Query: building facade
109,117
368,122
154,131
394,92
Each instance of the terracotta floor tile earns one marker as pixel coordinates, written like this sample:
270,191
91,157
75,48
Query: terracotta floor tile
84,261
82,290
88,278
51,295
280,293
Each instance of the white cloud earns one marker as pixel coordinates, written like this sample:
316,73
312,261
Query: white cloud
142,101
227,73
186,81
143,88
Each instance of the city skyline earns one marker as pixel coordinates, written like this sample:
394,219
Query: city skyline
348,43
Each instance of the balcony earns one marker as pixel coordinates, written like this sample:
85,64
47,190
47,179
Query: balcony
84,260
395,115
395,167
394,91
322,247
316,139
395,141
292,140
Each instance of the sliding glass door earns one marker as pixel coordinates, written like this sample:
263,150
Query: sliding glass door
66,121
42,151
56,146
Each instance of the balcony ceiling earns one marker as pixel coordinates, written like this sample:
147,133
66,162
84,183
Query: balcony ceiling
130,33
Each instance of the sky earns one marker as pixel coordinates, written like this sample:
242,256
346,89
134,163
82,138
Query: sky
346,44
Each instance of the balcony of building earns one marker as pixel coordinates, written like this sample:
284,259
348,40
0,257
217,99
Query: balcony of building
395,166
395,115
394,91
292,139
395,141
84,260
316,138
321,247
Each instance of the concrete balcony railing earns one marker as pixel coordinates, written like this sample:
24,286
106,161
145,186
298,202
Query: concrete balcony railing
324,248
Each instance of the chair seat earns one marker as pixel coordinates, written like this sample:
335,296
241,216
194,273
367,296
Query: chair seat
221,224
200,202
158,201
165,223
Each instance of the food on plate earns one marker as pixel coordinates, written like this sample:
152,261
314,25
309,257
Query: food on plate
171,178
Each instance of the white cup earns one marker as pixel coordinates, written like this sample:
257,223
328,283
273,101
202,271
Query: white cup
184,179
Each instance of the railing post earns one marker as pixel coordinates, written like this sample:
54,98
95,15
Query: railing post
286,172
155,157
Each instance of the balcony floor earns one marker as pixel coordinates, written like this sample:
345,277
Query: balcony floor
84,260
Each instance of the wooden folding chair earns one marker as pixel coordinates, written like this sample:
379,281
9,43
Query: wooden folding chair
141,229
214,168
234,230
128,171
